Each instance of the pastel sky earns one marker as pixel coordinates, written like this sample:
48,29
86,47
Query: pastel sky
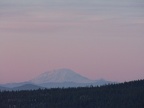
96,38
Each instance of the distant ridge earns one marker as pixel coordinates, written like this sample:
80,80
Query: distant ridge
3,88
12,85
27,87
22,87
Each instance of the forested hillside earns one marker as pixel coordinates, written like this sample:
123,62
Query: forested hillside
123,95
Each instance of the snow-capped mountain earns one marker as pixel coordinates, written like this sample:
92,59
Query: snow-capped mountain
59,76
54,79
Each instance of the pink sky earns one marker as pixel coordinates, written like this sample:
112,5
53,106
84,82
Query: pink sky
95,39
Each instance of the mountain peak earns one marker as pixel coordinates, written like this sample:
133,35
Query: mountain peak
60,75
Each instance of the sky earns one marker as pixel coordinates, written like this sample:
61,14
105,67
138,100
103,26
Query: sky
95,38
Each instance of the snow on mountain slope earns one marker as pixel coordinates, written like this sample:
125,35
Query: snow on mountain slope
60,75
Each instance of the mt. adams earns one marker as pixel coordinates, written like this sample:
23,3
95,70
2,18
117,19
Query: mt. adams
54,79
60,76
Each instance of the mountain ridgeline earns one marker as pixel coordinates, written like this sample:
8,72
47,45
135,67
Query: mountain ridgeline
123,95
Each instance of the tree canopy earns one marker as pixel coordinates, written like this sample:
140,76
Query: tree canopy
123,95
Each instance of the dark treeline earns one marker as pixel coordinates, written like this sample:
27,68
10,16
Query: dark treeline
123,95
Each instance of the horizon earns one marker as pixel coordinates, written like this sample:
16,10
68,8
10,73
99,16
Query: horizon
97,39
55,70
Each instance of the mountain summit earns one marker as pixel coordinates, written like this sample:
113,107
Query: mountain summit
59,76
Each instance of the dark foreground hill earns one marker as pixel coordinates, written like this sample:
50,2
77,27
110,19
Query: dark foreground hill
124,95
